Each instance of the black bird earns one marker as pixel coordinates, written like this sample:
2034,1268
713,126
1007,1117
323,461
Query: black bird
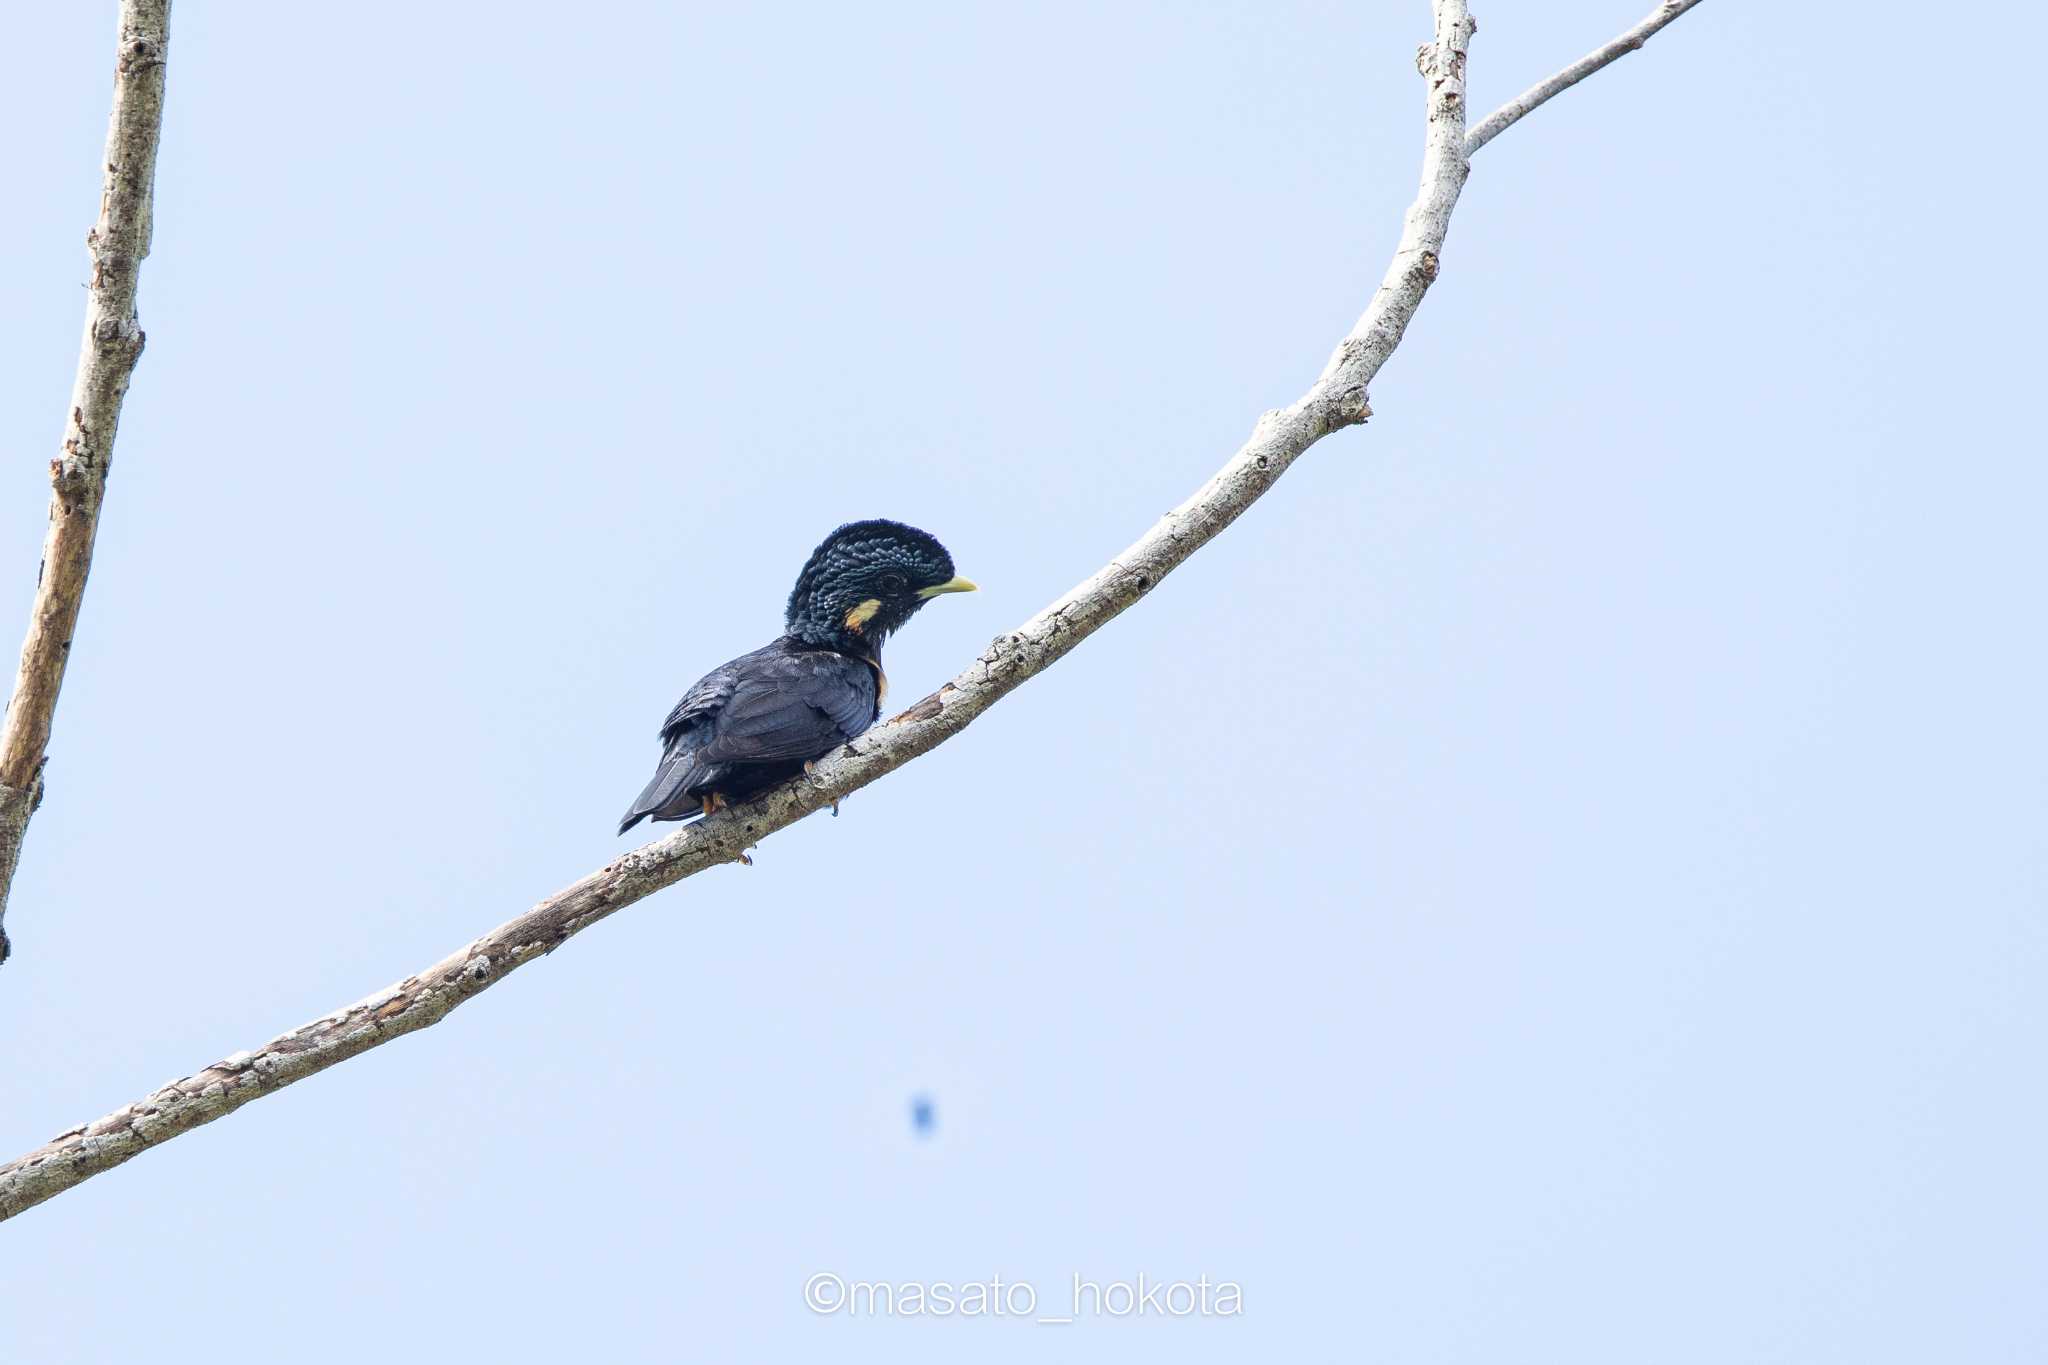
765,716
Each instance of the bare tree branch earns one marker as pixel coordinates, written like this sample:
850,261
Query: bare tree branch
78,476
1338,399
1511,113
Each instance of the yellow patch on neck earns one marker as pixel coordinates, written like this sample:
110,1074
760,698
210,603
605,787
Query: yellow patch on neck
863,614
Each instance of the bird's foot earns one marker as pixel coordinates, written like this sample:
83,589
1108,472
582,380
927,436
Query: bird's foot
714,803
811,766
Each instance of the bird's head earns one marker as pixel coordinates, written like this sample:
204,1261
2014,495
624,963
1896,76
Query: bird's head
865,581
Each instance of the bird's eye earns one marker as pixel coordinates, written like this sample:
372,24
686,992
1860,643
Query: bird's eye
893,582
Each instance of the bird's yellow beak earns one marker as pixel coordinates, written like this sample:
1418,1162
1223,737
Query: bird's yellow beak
950,585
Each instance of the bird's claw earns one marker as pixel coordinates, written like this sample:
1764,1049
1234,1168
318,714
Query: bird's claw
811,766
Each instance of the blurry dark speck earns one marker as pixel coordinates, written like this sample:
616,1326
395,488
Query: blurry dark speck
923,1117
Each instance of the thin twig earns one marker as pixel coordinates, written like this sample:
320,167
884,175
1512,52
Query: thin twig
1338,399
1505,117
78,476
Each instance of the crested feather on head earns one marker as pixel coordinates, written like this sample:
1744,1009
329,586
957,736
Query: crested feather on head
864,581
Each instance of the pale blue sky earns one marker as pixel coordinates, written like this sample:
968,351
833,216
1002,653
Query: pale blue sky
1562,879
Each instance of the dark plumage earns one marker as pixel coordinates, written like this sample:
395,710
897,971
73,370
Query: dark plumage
751,723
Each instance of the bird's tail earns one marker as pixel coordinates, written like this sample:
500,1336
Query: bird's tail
667,795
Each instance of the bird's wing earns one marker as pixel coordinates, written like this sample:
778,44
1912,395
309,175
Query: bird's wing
712,691
792,706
